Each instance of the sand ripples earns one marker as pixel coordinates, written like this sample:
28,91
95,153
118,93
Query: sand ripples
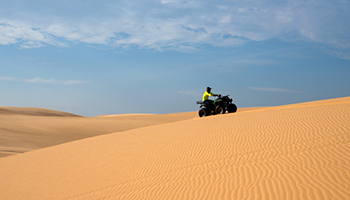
290,152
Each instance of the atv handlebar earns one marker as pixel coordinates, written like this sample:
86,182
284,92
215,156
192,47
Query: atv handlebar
219,96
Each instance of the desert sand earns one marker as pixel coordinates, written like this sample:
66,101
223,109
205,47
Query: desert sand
299,151
27,129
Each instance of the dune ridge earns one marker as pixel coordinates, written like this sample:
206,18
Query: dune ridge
27,129
298,151
34,112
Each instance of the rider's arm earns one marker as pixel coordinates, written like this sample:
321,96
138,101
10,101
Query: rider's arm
212,94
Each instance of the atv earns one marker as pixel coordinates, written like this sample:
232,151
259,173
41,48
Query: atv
220,105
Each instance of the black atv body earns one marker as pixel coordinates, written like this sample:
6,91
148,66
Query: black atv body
220,106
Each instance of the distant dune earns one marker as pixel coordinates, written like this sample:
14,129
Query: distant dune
299,151
33,112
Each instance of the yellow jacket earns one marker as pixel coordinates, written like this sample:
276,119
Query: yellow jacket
207,94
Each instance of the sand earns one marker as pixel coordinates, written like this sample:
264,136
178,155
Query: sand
299,151
27,129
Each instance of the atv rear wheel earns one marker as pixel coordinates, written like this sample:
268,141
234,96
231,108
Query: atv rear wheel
220,110
202,112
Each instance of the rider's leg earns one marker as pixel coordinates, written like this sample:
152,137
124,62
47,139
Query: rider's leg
208,104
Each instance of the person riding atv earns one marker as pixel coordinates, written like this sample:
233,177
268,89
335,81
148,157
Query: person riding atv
206,100
219,106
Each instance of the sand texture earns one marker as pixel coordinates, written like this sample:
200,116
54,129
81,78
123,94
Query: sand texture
27,129
299,151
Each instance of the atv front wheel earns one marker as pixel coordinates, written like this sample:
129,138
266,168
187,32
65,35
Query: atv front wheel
231,108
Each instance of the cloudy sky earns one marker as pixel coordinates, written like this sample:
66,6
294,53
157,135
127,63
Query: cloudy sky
158,56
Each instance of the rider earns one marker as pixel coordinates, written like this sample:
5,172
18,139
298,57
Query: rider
206,100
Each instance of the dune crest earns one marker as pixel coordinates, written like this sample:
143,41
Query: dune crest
34,112
298,151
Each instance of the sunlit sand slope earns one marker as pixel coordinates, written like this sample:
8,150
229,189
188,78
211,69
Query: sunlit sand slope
27,129
299,151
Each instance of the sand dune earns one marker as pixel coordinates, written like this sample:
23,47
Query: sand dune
34,112
299,151
27,129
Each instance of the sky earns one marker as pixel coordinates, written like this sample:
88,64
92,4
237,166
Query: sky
158,56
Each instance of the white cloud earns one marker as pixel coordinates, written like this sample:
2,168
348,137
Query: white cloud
343,54
4,78
13,32
173,24
272,89
42,80
254,62
168,1
53,81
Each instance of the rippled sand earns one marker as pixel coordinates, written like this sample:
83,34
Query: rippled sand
299,151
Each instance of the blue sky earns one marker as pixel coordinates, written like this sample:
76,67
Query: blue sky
158,56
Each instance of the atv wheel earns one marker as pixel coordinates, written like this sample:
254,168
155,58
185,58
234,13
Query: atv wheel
202,112
231,108
220,110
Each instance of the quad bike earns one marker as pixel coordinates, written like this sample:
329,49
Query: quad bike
220,105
